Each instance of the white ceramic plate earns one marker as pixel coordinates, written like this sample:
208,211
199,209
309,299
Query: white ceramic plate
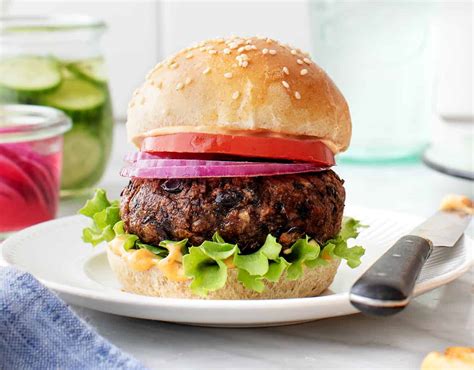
55,254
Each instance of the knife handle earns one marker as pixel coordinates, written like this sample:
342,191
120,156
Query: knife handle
386,287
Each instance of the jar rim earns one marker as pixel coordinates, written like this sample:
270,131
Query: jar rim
19,122
25,24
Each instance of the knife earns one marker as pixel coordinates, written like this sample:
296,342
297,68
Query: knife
386,287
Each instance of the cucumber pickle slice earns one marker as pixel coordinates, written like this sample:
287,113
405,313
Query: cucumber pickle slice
82,157
75,95
30,74
91,69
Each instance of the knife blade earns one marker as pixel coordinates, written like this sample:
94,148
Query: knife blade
444,228
387,286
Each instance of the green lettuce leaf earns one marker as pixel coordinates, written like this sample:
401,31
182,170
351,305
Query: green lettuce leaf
350,228
301,252
218,250
161,252
351,255
104,214
106,222
255,282
217,238
255,263
205,264
276,269
258,263
207,274
252,282
271,248
338,246
98,203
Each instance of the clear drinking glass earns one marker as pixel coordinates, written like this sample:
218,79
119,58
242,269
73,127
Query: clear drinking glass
31,142
57,61
379,55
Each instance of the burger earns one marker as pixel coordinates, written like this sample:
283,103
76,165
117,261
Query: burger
231,192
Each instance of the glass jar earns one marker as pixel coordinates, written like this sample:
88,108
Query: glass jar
31,141
380,56
57,61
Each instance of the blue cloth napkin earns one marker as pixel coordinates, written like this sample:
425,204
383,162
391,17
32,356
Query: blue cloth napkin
39,331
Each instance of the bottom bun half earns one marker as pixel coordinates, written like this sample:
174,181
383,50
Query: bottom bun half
152,282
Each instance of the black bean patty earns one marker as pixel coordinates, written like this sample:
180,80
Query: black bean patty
243,210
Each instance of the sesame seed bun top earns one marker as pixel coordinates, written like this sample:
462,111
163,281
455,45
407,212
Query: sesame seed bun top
240,86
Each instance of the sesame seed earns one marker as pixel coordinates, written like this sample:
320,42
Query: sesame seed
253,47
235,95
293,51
248,47
286,84
228,75
226,51
286,71
303,72
159,85
299,61
136,92
188,81
297,95
307,60
206,71
241,49
233,45
179,86
265,51
272,51
248,42
152,83
212,51
189,55
269,40
174,65
287,251
202,48
241,59
142,100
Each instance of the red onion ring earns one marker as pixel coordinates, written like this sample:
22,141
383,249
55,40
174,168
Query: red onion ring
169,169
147,163
132,157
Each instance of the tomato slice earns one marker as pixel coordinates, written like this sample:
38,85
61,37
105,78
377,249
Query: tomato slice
314,151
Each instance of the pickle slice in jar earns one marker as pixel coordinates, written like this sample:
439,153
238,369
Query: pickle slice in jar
82,156
91,69
30,74
75,95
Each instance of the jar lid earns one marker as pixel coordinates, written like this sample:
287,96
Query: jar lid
31,122
10,25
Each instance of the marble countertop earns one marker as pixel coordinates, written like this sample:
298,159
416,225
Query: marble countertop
438,319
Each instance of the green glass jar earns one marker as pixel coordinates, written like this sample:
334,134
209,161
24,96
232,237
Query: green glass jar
58,62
